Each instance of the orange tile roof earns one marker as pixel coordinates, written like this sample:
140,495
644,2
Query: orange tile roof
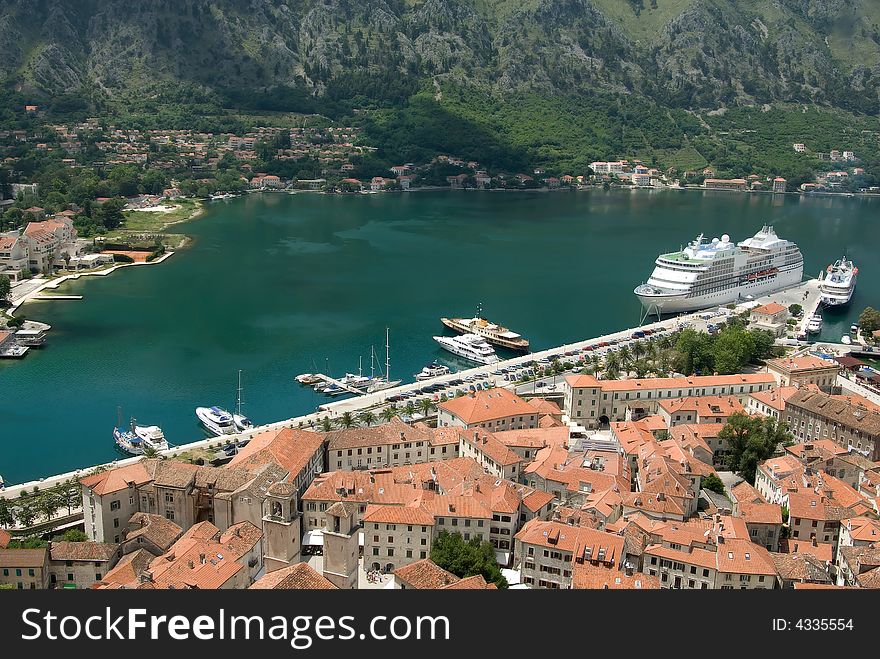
703,406
578,381
534,437
5,537
115,480
425,575
775,397
393,432
582,542
803,363
484,442
291,449
770,309
127,572
824,551
398,515
586,576
487,405
299,576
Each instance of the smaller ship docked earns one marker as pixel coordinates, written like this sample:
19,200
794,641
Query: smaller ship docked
814,324
151,437
308,379
469,346
432,370
491,332
240,421
126,438
839,284
216,421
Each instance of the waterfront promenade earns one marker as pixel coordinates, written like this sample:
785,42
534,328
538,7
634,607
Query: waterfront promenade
334,409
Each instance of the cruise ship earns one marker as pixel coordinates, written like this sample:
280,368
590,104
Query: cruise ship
839,284
710,273
470,346
495,334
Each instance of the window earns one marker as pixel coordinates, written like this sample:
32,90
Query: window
114,505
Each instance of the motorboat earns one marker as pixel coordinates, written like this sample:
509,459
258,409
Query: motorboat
217,421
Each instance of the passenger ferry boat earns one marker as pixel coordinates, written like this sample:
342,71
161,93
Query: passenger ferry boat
839,284
432,370
707,274
495,334
216,421
470,346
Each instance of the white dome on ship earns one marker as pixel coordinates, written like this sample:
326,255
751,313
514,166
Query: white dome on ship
714,241
725,238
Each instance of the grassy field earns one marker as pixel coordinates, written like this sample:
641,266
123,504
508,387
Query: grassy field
148,222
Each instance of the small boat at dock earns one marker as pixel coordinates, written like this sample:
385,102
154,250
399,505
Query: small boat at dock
308,379
126,439
151,437
814,325
217,421
491,332
846,340
432,370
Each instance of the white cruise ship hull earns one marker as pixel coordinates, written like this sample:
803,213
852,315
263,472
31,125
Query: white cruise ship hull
673,304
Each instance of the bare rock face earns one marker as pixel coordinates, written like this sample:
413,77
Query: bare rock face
711,53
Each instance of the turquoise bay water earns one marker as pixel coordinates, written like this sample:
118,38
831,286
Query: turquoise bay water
279,284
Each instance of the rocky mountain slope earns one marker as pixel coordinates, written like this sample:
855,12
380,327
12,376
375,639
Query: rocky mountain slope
681,53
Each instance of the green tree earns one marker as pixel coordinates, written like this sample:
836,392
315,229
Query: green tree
326,424
5,288
410,408
751,440
869,321
71,535
426,406
388,413
694,352
6,516
733,349
795,309
347,420
713,484
367,418
467,558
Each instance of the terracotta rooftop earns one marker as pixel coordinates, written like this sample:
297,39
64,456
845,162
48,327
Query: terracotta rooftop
488,405
82,551
290,448
425,575
299,576
393,432
700,381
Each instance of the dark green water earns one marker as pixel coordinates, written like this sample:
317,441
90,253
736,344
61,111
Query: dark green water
277,284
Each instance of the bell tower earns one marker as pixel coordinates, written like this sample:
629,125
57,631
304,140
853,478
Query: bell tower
342,546
281,527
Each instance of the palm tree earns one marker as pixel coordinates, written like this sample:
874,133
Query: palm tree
326,424
367,417
612,365
388,413
624,356
409,408
347,420
426,406
150,452
638,349
6,516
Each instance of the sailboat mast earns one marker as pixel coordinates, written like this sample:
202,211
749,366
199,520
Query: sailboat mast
238,403
387,356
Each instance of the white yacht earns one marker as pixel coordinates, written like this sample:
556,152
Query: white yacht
814,324
707,274
839,284
239,420
151,437
216,421
432,370
470,346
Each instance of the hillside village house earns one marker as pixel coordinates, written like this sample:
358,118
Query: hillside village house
593,403
14,255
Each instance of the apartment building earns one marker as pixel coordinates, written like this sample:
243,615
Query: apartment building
391,444
24,569
491,454
395,536
704,409
548,552
813,415
725,564
591,402
492,409
771,317
770,402
80,564
803,371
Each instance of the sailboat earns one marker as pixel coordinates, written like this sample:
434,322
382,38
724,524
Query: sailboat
241,422
384,381
126,439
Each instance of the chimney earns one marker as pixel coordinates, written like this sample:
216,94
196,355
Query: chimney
628,570
202,559
191,565
402,435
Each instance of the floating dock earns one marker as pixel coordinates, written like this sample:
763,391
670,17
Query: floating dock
57,297
338,383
